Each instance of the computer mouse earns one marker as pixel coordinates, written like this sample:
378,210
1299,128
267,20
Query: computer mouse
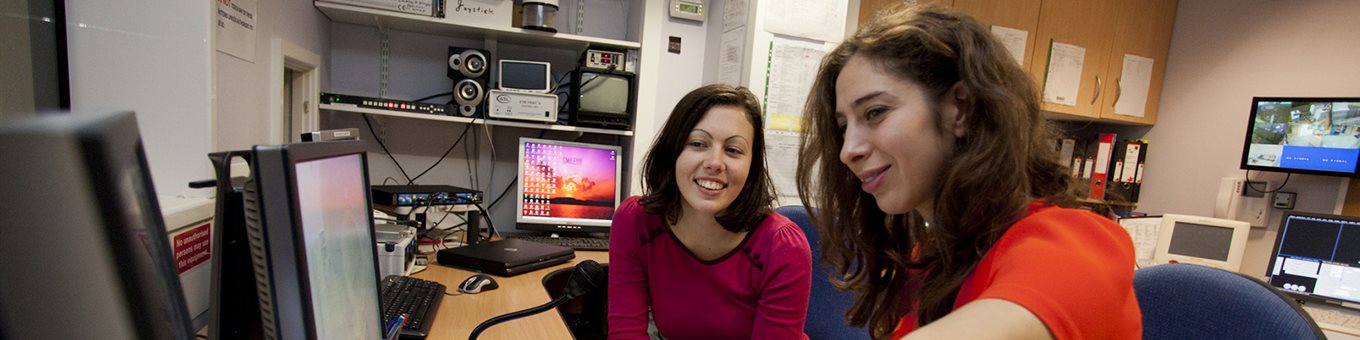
477,284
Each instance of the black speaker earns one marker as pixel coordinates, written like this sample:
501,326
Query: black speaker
470,68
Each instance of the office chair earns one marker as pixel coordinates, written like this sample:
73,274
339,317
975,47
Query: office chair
827,305
586,315
1185,301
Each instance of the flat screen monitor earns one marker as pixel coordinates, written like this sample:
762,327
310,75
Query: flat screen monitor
1317,136
525,76
84,252
1205,241
311,230
567,186
1318,256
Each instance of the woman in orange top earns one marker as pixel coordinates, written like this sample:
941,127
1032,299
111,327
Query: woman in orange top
941,200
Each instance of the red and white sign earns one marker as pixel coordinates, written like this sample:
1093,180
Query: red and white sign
192,247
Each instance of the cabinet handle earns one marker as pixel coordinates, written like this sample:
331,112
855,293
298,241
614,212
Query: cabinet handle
1097,96
1118,90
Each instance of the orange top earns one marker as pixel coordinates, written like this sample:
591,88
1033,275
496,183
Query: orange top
1071,268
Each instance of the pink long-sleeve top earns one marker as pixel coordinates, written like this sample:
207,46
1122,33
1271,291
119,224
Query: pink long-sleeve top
757,291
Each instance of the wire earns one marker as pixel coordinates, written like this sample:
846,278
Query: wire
1252,185
503,192
446,154
433,96
487,217
389,178
384,148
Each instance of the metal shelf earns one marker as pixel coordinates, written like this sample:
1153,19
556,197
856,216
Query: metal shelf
384,19
465,120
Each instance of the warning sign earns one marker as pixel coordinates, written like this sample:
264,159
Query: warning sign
192,247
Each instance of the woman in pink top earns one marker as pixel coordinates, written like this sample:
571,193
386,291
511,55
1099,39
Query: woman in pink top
702,253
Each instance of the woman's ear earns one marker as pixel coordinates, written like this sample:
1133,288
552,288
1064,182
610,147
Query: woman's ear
958,106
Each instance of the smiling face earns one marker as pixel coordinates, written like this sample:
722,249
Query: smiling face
893,142
715,161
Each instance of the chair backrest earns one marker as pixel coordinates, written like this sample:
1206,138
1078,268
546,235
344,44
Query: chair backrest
1185,301
586,315
827,305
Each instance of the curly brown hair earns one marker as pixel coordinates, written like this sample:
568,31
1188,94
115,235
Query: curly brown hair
662,197
1003,162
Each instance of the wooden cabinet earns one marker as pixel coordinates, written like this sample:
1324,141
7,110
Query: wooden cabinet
1016,14
868,9
1143,29
1085,24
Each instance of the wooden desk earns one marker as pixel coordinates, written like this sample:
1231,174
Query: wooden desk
458,315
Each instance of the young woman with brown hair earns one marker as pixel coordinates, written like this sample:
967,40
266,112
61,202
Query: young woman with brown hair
940,200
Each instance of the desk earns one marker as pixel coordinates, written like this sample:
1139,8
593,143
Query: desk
458,315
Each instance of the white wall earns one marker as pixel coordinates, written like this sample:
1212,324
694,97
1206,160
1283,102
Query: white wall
152,57
1224,52
242,87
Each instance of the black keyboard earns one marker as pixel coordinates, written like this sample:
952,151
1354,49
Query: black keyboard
578,243
419,299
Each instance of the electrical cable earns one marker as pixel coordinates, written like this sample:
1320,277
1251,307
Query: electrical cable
503,192
384,148
433,97
441,158
1253,185
486,217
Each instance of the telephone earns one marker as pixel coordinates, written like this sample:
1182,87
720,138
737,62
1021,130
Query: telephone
1239,201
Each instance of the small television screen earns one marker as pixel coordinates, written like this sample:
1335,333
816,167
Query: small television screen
525,76
567,186
606,93
1318,136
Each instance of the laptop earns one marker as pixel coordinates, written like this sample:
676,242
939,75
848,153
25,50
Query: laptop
508,257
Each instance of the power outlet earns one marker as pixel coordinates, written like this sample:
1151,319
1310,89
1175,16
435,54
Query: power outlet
1284,200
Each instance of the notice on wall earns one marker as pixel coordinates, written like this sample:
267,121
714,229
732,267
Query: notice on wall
1134,82
235,28
792,67
781,157
818,20
1014,41
730,57
734,14
1064,73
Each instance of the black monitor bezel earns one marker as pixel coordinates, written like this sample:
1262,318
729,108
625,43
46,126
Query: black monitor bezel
284,159
1275,254
564,227
1251,126
576,88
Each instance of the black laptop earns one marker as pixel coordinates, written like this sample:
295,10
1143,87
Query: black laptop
508,257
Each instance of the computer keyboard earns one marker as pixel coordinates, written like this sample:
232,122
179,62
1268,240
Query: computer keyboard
578,243
419,299
1335,320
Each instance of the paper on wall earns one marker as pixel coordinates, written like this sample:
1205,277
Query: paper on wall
1064,73
235,28
1134,82
731,57
734,14
1014,41
792,68
781,159
820,20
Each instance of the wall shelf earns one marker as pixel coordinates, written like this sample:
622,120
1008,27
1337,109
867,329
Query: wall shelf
479,121
431,25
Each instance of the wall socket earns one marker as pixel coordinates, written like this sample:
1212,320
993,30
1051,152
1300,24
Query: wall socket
1284,200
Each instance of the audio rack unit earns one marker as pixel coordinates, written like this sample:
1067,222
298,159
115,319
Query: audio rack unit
386,104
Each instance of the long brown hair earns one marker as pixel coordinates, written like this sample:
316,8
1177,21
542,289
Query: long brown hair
662,197
893,263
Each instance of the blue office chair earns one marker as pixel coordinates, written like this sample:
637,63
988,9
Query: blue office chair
1185,301
827,306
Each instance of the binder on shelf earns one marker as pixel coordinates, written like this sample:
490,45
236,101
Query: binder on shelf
1104,149
1066,148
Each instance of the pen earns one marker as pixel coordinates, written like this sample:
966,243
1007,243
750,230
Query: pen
387,330
396,330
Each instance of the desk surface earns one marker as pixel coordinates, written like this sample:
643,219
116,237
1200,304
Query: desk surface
459,314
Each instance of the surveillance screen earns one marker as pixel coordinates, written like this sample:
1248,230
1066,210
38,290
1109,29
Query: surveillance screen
1305,135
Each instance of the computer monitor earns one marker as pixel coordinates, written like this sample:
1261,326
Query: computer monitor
84,252
1206,241
567,186
525,76
1316,136
1317,256
312,240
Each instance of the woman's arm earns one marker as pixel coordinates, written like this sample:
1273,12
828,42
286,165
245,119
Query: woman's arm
1003,320
628,299
783,304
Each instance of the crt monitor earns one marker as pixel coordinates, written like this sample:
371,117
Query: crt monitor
311,236
84,252
1317,136
567,186
1205,241
1318,256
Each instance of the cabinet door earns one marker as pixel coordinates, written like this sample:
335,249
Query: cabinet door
868,9
1143,29
1086,24
1017,14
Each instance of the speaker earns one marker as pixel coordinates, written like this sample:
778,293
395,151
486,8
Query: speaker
470,68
